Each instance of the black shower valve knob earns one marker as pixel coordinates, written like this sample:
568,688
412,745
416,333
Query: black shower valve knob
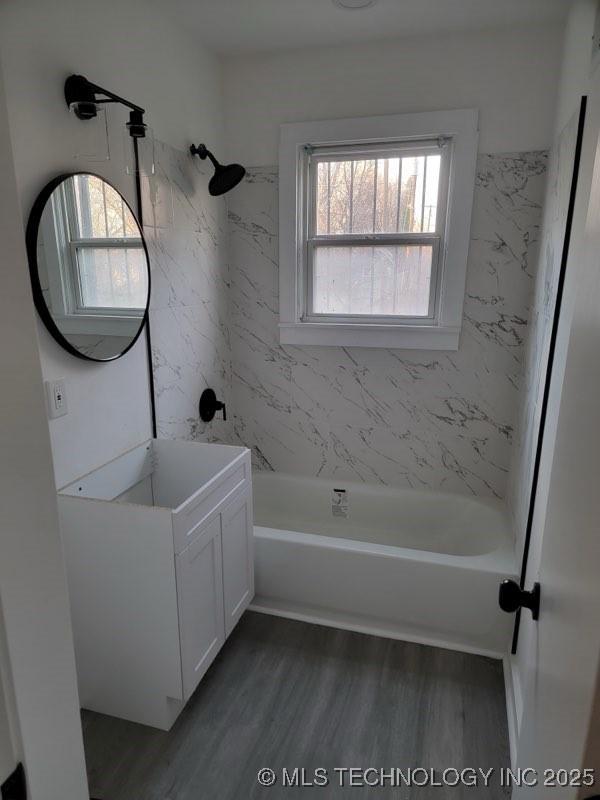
209,405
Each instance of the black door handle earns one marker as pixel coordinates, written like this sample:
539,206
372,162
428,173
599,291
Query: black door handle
511,598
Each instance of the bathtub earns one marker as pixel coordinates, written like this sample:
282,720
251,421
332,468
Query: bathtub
421,566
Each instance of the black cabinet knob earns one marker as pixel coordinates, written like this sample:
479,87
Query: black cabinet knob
209,405
511,598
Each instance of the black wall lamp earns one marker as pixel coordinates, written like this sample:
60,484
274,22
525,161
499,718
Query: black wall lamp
83,98
226,176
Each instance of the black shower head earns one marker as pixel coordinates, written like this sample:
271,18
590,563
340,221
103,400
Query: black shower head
225,177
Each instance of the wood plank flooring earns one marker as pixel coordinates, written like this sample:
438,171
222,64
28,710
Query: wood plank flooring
288,694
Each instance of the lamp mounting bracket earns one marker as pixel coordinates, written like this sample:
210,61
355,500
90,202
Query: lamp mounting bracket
83,97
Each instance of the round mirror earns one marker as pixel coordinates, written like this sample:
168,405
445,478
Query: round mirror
89,267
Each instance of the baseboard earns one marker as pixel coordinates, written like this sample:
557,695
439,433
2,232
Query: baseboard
511,710
332,620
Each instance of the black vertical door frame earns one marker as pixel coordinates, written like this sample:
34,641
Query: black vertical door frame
550,363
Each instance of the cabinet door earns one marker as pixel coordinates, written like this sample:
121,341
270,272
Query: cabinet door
200,598
238,557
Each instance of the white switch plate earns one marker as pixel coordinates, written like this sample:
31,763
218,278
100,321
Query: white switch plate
56,398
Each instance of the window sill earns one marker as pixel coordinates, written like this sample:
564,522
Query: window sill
400,337
76,324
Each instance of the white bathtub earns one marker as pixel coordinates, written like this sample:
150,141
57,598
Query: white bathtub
416,565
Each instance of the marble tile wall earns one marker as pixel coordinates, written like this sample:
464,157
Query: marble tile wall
560,173
186,232
440,420
403,418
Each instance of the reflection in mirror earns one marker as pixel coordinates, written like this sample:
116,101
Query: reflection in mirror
89,267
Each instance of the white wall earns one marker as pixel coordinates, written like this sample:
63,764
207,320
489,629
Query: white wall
133,48
10,743
509,75
35,625
577,51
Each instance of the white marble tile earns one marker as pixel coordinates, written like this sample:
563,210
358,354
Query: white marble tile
426,419
189,310
402,418
560,173
188,255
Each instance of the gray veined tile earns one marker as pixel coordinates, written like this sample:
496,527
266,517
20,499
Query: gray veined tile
431,419
560,172
436,420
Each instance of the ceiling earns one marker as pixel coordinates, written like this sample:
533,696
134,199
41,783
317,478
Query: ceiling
248,26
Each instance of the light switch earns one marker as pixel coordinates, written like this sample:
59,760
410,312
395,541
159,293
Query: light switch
56,397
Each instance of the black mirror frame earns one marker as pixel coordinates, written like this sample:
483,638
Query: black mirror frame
31,239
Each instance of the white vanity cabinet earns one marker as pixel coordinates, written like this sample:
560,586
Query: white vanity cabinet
199,574
159,555
237,537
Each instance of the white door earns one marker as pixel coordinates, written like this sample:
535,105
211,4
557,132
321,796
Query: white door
563,648
200,600
238,558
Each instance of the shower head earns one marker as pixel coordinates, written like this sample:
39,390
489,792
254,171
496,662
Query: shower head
226,175
225,178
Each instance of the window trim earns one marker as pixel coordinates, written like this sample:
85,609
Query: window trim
435,239
460,127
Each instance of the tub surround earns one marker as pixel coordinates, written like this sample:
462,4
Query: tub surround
425,420
430,420
556,204
186,236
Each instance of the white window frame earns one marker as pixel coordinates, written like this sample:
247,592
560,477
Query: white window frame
440,330
313,240
65,289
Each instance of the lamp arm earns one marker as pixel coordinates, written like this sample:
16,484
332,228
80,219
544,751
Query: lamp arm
115,98
78,89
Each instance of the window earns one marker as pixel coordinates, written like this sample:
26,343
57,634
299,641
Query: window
374,232
100,252
374,229
106,249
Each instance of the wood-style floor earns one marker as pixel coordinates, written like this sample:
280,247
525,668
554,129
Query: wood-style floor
289,694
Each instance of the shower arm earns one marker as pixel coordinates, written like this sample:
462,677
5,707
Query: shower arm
203,152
